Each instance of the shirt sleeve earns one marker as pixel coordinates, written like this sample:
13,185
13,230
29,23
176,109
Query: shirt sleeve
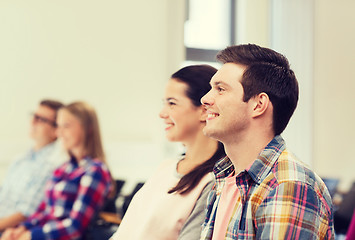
25,186
193,225
35,218
35,191
94,185
294,210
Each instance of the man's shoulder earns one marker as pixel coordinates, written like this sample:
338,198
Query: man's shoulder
20,160
289,170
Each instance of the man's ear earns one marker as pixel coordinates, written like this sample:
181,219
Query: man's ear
260,104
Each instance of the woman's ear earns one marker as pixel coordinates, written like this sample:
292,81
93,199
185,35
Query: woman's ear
260,104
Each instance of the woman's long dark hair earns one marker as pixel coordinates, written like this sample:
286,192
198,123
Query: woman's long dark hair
197,78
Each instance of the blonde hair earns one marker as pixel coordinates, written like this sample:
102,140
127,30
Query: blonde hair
86,114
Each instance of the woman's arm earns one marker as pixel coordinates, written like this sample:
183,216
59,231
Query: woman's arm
93,188
193,225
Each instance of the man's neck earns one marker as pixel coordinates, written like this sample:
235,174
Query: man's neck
39,146
200,148
243,153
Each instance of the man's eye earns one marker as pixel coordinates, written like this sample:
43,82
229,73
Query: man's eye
219,89
171,103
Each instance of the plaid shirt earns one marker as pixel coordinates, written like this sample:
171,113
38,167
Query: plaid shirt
280,198
73,196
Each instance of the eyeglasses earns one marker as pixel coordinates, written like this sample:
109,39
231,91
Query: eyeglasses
38,118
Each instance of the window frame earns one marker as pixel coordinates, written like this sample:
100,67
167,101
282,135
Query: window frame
209,55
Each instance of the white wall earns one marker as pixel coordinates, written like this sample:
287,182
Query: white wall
116,55
318,37
292,35
334,84
287,27
253,22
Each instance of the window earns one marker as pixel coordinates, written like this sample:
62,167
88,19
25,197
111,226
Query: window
209,27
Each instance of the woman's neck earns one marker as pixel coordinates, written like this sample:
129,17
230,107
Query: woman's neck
78,153
197,152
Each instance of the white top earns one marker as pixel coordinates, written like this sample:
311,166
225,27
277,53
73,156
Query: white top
155,214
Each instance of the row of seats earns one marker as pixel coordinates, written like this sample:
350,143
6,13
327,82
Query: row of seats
108,219
344,204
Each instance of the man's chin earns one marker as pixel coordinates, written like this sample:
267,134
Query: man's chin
209,132
33,136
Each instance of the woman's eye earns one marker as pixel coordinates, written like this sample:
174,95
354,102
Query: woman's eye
171,103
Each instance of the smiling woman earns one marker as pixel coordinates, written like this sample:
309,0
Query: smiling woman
71,132
181,116
177,191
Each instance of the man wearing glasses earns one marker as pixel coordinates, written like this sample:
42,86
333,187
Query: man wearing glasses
23,187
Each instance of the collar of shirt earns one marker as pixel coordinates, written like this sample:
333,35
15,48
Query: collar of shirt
73,168
223,168
42,151
260,167
81,163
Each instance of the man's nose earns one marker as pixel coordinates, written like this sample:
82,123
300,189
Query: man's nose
207,99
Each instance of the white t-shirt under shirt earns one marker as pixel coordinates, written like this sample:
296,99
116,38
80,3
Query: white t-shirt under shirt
154,214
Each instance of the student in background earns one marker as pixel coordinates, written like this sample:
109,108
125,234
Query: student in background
172,202
77,188
262,190
23,187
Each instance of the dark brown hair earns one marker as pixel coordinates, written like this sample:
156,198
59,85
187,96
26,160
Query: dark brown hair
197,79
52,104
269,72
190,180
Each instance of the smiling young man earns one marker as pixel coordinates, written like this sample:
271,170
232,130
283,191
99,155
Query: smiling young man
262,191
23,187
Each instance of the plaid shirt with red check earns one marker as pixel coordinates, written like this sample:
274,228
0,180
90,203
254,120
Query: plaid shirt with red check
73,196
280,198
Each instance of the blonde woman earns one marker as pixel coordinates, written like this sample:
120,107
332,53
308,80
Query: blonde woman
78,188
